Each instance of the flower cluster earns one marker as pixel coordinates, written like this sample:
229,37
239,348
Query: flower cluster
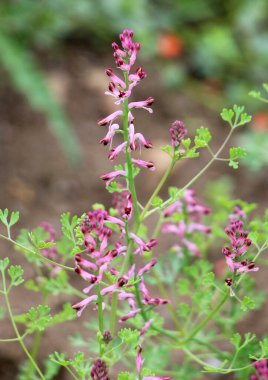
121,90
99,370
261,368
99,259
178,132
195,210
235,256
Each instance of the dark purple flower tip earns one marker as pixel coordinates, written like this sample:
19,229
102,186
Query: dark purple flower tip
107,337
122,281
229,281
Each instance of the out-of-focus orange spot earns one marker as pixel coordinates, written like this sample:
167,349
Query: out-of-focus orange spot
170,46
260,122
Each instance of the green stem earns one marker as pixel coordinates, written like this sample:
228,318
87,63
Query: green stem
158,188
100,311
43,258
208,318
36,344
71,373
20,338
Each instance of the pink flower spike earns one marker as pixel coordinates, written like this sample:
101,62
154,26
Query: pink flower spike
139,360
110,118
115,152
142,104
132,314
109,136
147,267
110,177
115,78
144,164
126,39
80,306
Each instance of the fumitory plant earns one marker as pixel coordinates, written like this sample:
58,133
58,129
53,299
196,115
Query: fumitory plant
154,312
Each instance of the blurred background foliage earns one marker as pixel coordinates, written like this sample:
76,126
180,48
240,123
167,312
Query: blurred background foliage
220,44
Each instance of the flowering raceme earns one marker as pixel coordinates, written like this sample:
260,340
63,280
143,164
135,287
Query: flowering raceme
95,226
234,257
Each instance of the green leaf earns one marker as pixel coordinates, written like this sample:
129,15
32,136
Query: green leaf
183,310
123,376
247,304
235,117
227,115
236,340
203,137
4,264
186,143
15,215
51,369
67,314
265,86
38,318
209,279
114,188
68,225
98,206
15,273
183,286
235,154
3,216
157,202
167,149
59,358
129,336
255,94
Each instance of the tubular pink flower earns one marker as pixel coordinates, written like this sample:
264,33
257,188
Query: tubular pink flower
116,93
80,306
139,360
147,267
86,276
110,177
110,118
115,152
109,136
145,328
81,262
142,104
128,209
144,164
137,77
132,314
115,78
247,268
